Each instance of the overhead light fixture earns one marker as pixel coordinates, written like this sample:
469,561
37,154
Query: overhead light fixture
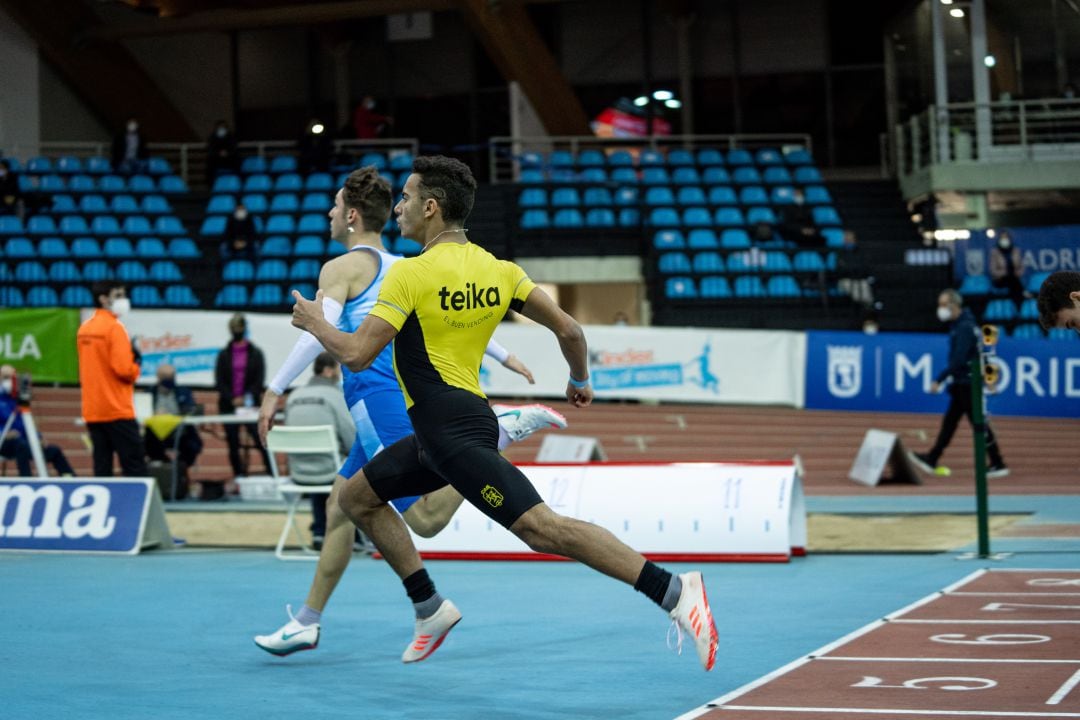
957,12
673,104
641,101
663,95
990,61
946,2
317,129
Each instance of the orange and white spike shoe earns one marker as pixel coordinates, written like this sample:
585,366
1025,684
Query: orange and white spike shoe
693,617
430,632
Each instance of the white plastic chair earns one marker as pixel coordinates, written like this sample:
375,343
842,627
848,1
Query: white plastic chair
303,440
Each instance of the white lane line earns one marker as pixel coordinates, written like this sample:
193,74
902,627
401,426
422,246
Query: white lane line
886,711
1064,689
948,660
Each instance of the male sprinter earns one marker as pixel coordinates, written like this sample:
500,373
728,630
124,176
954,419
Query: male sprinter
349,286
439,309
1059,301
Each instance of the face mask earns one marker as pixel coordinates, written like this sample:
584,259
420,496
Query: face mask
944,314
169,384
221,132
1004,244
870,329
241,214
7,386
799,199
132,127
238,335
369,104
120,307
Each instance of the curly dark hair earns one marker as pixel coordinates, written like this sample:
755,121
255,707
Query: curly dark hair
368,192
1054,295
449,182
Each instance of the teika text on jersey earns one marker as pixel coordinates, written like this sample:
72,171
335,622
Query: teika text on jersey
472,297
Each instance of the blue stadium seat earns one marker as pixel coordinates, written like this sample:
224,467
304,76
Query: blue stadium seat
798,157
260,183
590,158
654,176
1029,309
172,185
834,237
97,270
768,156
562,176
817,195
226,184
84,184
753,195
98,165
668,240
690,195
680,288
742,262
626,175
282,164
715,286
531,177
238,271
568,218
659,197
808,261
42,296
285,203
312,224
252,165
707,157
289,182
308,246
118,247
146,296
52,247
63,204
806,174
593,175
136,225
69,164
221,205
170,226
708,262
104,225
125,204
1000,309
651,158
597,197
748,286
565,197
165,271
722,195
141,184
825,215
1061,334
783,286
94,204
679,157
268,296
180,296
39,165
620,158
783,195
231,296
534,219
600,218
673,262
401,160
85,247
19,247
159,166
30,271
685,176
271,270
715,176
561,159
530,160
335,248
1027,331
624,197
76,296
276,246
73,225
52,184
739,156
131,271
664,217
629,217
255,203
776,175
696,217
756,215
1035,281
777,262
183,248
702,239
316,202
734,238
319,182
746,176
156,205
728,216
281,225
41,225
306,269
407,247
64,271
11,297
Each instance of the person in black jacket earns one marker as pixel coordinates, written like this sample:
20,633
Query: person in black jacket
172,399
240,376
963,346
221,152
10,195
129,151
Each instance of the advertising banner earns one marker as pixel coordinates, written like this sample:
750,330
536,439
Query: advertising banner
41,341
892,372
1042,250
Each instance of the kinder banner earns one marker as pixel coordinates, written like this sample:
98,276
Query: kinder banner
41,342
892,372
1042,249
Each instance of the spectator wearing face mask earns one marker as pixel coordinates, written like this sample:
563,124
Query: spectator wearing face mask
129,151
797,223
13,443
240,378
241,235
367,123
172,400
1007,268
108,367
220,152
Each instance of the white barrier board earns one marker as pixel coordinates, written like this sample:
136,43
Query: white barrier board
711,512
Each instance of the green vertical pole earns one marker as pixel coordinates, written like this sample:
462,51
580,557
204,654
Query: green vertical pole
978,421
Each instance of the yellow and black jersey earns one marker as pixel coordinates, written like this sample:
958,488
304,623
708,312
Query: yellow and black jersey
446,304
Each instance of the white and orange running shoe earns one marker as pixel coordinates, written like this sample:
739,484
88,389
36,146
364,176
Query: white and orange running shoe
521,421
693,617
430,632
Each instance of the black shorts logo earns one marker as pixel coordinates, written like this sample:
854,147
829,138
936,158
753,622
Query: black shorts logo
493,497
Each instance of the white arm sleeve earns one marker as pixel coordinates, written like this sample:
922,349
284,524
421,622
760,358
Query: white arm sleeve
306,349
496,351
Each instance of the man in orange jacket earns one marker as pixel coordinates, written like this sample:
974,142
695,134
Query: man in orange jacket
108,368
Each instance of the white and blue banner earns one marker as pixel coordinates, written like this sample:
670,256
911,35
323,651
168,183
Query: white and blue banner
892,372
1042,250
87,515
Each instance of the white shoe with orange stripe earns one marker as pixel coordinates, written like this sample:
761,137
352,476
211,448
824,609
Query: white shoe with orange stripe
430,632
693,617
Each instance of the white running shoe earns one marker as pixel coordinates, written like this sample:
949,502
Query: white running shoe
693,617
521,421
290,638
430,632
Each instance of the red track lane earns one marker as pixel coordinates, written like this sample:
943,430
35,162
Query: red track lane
998,645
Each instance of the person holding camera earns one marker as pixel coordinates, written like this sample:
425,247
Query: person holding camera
14,444
109,365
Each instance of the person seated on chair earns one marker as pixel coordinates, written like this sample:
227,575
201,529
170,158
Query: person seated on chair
320,402
13,442
241,236
797,223
170,402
